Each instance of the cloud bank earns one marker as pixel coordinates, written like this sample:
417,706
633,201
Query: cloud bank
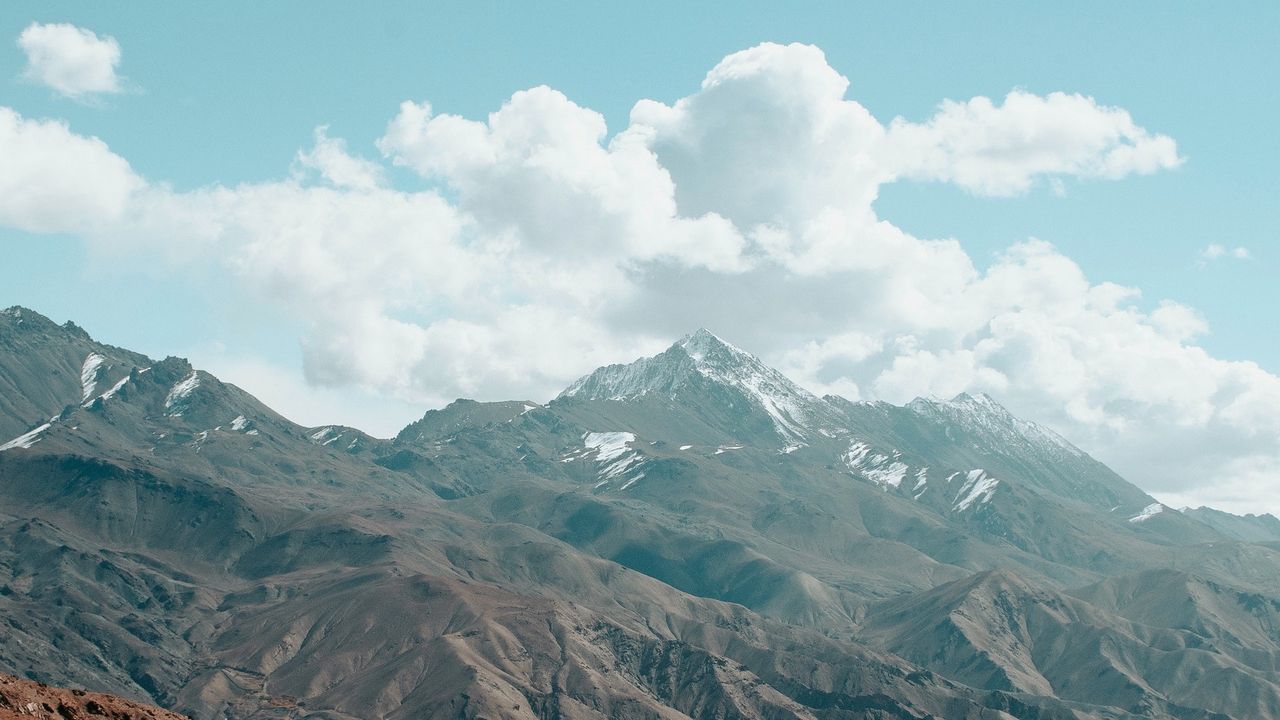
543,246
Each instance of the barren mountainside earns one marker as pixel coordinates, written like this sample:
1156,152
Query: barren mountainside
691,535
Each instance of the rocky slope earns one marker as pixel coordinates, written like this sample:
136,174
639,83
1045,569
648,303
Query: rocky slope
23,699
692,535
997,631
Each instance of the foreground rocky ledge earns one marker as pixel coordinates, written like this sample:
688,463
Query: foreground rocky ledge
26,699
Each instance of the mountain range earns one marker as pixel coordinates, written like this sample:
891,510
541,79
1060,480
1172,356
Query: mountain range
691,535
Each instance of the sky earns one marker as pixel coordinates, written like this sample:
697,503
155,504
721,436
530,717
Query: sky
360,214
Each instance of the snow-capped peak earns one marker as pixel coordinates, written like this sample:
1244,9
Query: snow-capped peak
702,343
788,404
793,410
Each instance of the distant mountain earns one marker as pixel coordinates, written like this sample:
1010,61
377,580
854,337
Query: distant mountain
689,535
995,630
974,431
458,416
1250,528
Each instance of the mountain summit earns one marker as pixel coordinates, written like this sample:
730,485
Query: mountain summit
701,359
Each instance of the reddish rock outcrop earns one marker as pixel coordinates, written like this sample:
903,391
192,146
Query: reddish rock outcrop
23,700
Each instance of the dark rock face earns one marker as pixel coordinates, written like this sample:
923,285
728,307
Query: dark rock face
688,536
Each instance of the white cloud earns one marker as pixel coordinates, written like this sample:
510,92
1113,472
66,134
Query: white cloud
768,140
1217,251
53,180
544,247
329,158
540,173
994,149
73,61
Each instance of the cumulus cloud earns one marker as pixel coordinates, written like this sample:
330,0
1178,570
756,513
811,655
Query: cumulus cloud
71,60
540,172
543,246
54,180
994,149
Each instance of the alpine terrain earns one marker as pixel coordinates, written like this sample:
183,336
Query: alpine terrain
691,535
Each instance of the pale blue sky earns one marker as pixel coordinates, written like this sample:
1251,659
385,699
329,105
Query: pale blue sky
228,92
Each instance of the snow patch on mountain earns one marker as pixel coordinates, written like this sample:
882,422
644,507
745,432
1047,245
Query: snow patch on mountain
922,478
922,483
887,471
978,487
327,435
26,440
181,391
239,423
117,387
1147,513
89,374
615,458
608,445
